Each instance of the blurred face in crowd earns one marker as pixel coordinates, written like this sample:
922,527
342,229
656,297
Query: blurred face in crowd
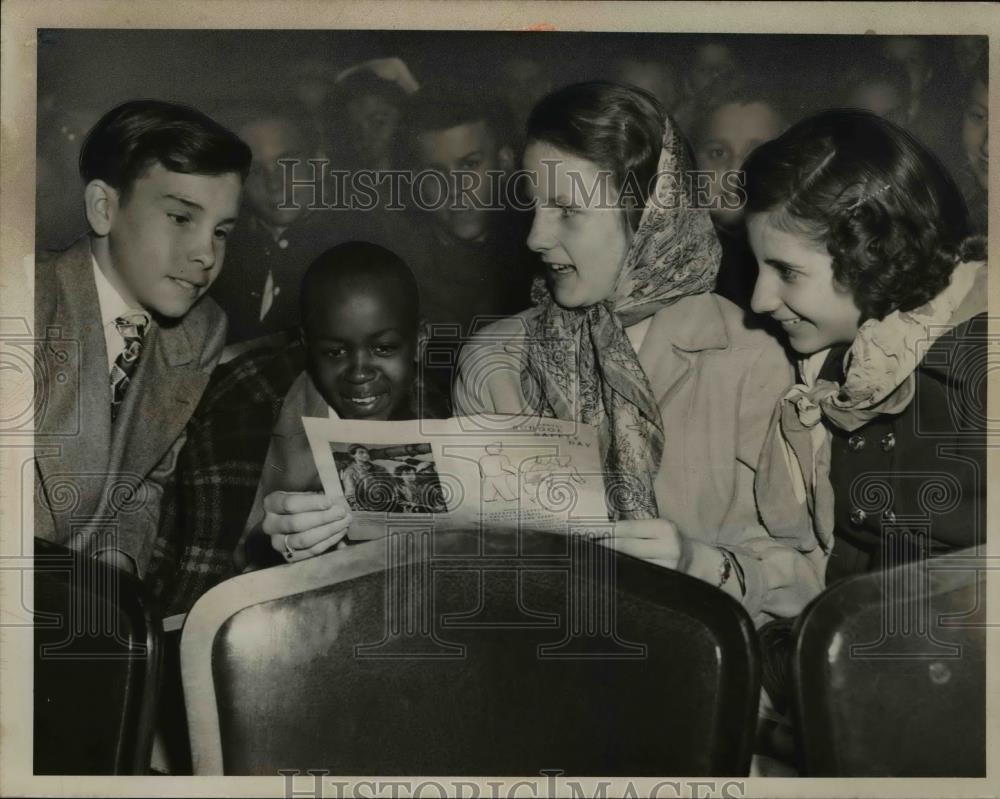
975,133
911,52
714,65
882,98
795,287
469,148
272,140
373,120
730,134
361,350
657,78
968,49
581,243
523,82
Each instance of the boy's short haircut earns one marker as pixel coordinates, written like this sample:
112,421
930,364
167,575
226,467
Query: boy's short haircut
134,136
438,108
869,67
355,262
747,91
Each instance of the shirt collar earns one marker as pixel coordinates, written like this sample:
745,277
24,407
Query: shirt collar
111,303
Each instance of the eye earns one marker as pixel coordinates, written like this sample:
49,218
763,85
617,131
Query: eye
179,219
471,163
786,274
222,234
334,352
385,350
565,211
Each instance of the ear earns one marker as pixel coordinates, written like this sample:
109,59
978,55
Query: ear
101,202
505,158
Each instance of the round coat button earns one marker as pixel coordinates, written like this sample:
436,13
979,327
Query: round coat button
858,516
856,442
283,243
888,442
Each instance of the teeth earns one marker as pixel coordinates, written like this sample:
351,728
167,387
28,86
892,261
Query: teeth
362,400
560,267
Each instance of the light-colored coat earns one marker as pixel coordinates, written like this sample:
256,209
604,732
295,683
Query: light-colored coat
99,486
716,383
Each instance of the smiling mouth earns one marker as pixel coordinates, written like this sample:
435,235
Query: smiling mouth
187,284
560,269
790,322
364,402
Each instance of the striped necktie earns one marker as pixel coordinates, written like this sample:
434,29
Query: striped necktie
131,328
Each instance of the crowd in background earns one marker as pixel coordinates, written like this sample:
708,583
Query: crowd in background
446,101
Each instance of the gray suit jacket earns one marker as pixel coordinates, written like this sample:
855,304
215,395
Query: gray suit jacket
99,486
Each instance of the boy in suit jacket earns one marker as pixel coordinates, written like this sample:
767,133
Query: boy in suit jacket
126,338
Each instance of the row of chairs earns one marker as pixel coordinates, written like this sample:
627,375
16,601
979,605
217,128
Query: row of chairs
505,654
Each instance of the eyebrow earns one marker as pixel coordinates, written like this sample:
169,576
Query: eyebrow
778,263
196,206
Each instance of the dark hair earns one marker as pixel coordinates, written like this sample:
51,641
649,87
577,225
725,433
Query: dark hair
240,115
404,469
130,138
355,447
887,211
353,265
746,92
620,128
868,67
980,71
437,108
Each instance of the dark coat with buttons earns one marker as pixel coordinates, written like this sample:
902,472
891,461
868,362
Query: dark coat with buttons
915,482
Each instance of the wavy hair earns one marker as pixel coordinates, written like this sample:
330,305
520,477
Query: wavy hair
886,210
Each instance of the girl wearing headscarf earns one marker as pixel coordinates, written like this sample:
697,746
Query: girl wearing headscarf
626,336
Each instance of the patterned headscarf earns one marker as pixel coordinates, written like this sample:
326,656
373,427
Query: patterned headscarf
580,364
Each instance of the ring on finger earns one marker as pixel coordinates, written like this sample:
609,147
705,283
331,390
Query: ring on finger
289,551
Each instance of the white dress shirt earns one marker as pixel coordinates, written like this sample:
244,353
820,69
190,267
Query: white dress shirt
112,305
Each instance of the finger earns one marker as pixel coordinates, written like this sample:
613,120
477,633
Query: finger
327,543
329,538
652,550
296,501
275,523
315,535
644,529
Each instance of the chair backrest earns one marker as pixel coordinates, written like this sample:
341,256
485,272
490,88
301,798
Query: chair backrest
889,673
470,654
97,652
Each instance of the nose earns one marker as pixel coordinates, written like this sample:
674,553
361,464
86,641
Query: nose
765,298
203,250
540,237
360,369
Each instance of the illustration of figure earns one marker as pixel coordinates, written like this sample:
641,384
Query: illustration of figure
497,474
359,477
542,467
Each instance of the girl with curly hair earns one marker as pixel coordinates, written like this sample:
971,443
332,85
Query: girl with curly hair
877,455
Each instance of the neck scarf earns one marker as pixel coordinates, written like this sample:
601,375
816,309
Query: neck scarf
793,489
579,363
